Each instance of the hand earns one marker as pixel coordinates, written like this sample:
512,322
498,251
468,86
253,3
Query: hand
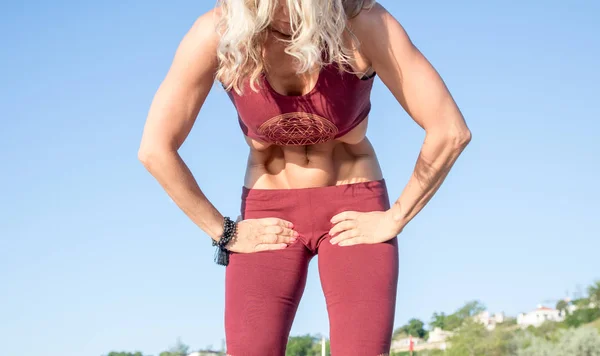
254,235
353,228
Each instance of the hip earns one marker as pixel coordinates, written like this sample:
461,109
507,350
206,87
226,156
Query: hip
311,209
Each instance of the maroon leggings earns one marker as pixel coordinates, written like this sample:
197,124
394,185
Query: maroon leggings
359,282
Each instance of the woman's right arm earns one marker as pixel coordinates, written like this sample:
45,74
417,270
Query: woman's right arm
170,119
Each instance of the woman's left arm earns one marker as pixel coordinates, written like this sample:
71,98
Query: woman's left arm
422,93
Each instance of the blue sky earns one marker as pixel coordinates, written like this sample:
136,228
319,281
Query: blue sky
94,256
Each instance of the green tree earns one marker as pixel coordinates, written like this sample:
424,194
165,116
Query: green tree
306,345
594,293
582,316
429,353
473,339
549,330
584,341
415,327
179,349
316,349
468,341
562,305
123,353
581,302
301,345
438,321
455,320
470,309
596,325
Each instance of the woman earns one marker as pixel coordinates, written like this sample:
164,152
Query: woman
300,73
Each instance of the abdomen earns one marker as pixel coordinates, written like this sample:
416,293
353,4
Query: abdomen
348,159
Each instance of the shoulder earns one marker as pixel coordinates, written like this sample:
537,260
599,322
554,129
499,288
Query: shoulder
371,21
206,26
196,59
376,29
367,17
200,42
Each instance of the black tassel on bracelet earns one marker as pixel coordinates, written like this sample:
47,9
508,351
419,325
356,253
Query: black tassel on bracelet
229,233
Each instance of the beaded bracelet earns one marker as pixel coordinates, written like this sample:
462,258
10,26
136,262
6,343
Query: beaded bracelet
229,233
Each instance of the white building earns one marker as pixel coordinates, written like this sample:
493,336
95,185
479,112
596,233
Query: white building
206,353
404,343
439,335
488,320
539,316
437,338
436,341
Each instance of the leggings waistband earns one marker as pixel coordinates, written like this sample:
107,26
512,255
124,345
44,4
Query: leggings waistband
374,186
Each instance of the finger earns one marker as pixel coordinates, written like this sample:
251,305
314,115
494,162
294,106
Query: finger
282,231
269,239
342,226
278,239
273,229
351,242
346,215
346,235
276,222
269,247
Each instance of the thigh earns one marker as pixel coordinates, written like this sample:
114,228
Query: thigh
360,285
262,292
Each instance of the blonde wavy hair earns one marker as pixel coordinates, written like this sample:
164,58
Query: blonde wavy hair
316,25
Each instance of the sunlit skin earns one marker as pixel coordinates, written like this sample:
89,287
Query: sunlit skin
281,21
385,49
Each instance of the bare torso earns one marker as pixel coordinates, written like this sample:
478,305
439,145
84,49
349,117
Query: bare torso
347,159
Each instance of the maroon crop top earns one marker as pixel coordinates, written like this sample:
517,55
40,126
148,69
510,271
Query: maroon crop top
337,104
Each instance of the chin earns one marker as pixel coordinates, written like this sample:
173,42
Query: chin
280,33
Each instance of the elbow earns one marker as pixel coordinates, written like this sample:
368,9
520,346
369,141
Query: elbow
154,152
150,157
457,133
457,138
146,157
461,139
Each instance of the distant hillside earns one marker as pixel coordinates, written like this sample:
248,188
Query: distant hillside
595,324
